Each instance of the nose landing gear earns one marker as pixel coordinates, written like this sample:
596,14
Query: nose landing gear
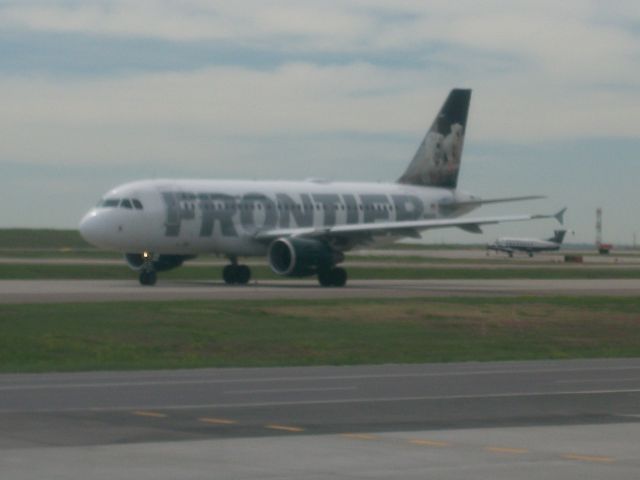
148,277
148,274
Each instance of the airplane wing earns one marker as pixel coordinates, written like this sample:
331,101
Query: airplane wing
404,228
477,202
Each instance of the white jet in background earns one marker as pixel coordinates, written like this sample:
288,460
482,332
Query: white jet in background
303,228
510,245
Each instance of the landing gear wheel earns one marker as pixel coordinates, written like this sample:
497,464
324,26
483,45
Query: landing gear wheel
236,274
243,274
148,277
229,274
324,278
338,277
335,277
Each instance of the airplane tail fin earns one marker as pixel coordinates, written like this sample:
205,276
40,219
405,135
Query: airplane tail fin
437,161
558,236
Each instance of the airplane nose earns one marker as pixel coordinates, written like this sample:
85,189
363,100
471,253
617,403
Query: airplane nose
89,227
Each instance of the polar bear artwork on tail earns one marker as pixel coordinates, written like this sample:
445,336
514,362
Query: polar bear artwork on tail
437,161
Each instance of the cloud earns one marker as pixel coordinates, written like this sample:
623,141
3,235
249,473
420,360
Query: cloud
574,41
538,73
131,88
251,21
328,25
150,115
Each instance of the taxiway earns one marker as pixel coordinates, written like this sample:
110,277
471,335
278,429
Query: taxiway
44,291
563,419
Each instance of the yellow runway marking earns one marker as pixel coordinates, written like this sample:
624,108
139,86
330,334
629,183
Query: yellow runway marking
144,413
359,436
217,421
430,443
589,458
284,428
515,451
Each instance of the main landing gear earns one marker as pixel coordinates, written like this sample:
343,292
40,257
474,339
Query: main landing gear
332,277
235,274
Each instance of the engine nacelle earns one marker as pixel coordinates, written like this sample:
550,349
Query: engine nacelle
160,263
300,257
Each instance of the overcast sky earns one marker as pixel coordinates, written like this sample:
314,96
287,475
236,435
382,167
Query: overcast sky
96,93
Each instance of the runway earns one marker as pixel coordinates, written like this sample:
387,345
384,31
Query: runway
43,291
565,419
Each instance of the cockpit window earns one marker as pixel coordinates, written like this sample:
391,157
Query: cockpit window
120,202
110,202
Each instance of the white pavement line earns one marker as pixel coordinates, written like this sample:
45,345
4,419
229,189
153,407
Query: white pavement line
589,458
308,378
598,380
328,402
289,390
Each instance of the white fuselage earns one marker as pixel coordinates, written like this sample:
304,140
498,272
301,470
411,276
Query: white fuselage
189,217
511,244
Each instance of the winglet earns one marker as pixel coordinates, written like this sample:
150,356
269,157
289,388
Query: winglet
560,216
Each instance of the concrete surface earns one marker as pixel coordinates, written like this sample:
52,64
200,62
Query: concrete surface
515,420
39,291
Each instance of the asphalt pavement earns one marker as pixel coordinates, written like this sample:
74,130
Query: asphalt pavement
559,419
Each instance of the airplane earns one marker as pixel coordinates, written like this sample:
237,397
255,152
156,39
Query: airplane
302,227
510,245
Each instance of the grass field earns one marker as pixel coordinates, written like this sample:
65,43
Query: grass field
100,336
26,238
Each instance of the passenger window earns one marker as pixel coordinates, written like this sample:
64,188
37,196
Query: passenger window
125,203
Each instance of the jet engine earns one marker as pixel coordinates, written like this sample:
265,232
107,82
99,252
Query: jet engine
300,257
161,263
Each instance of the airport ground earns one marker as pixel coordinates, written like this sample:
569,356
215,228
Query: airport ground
398,414
508,420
